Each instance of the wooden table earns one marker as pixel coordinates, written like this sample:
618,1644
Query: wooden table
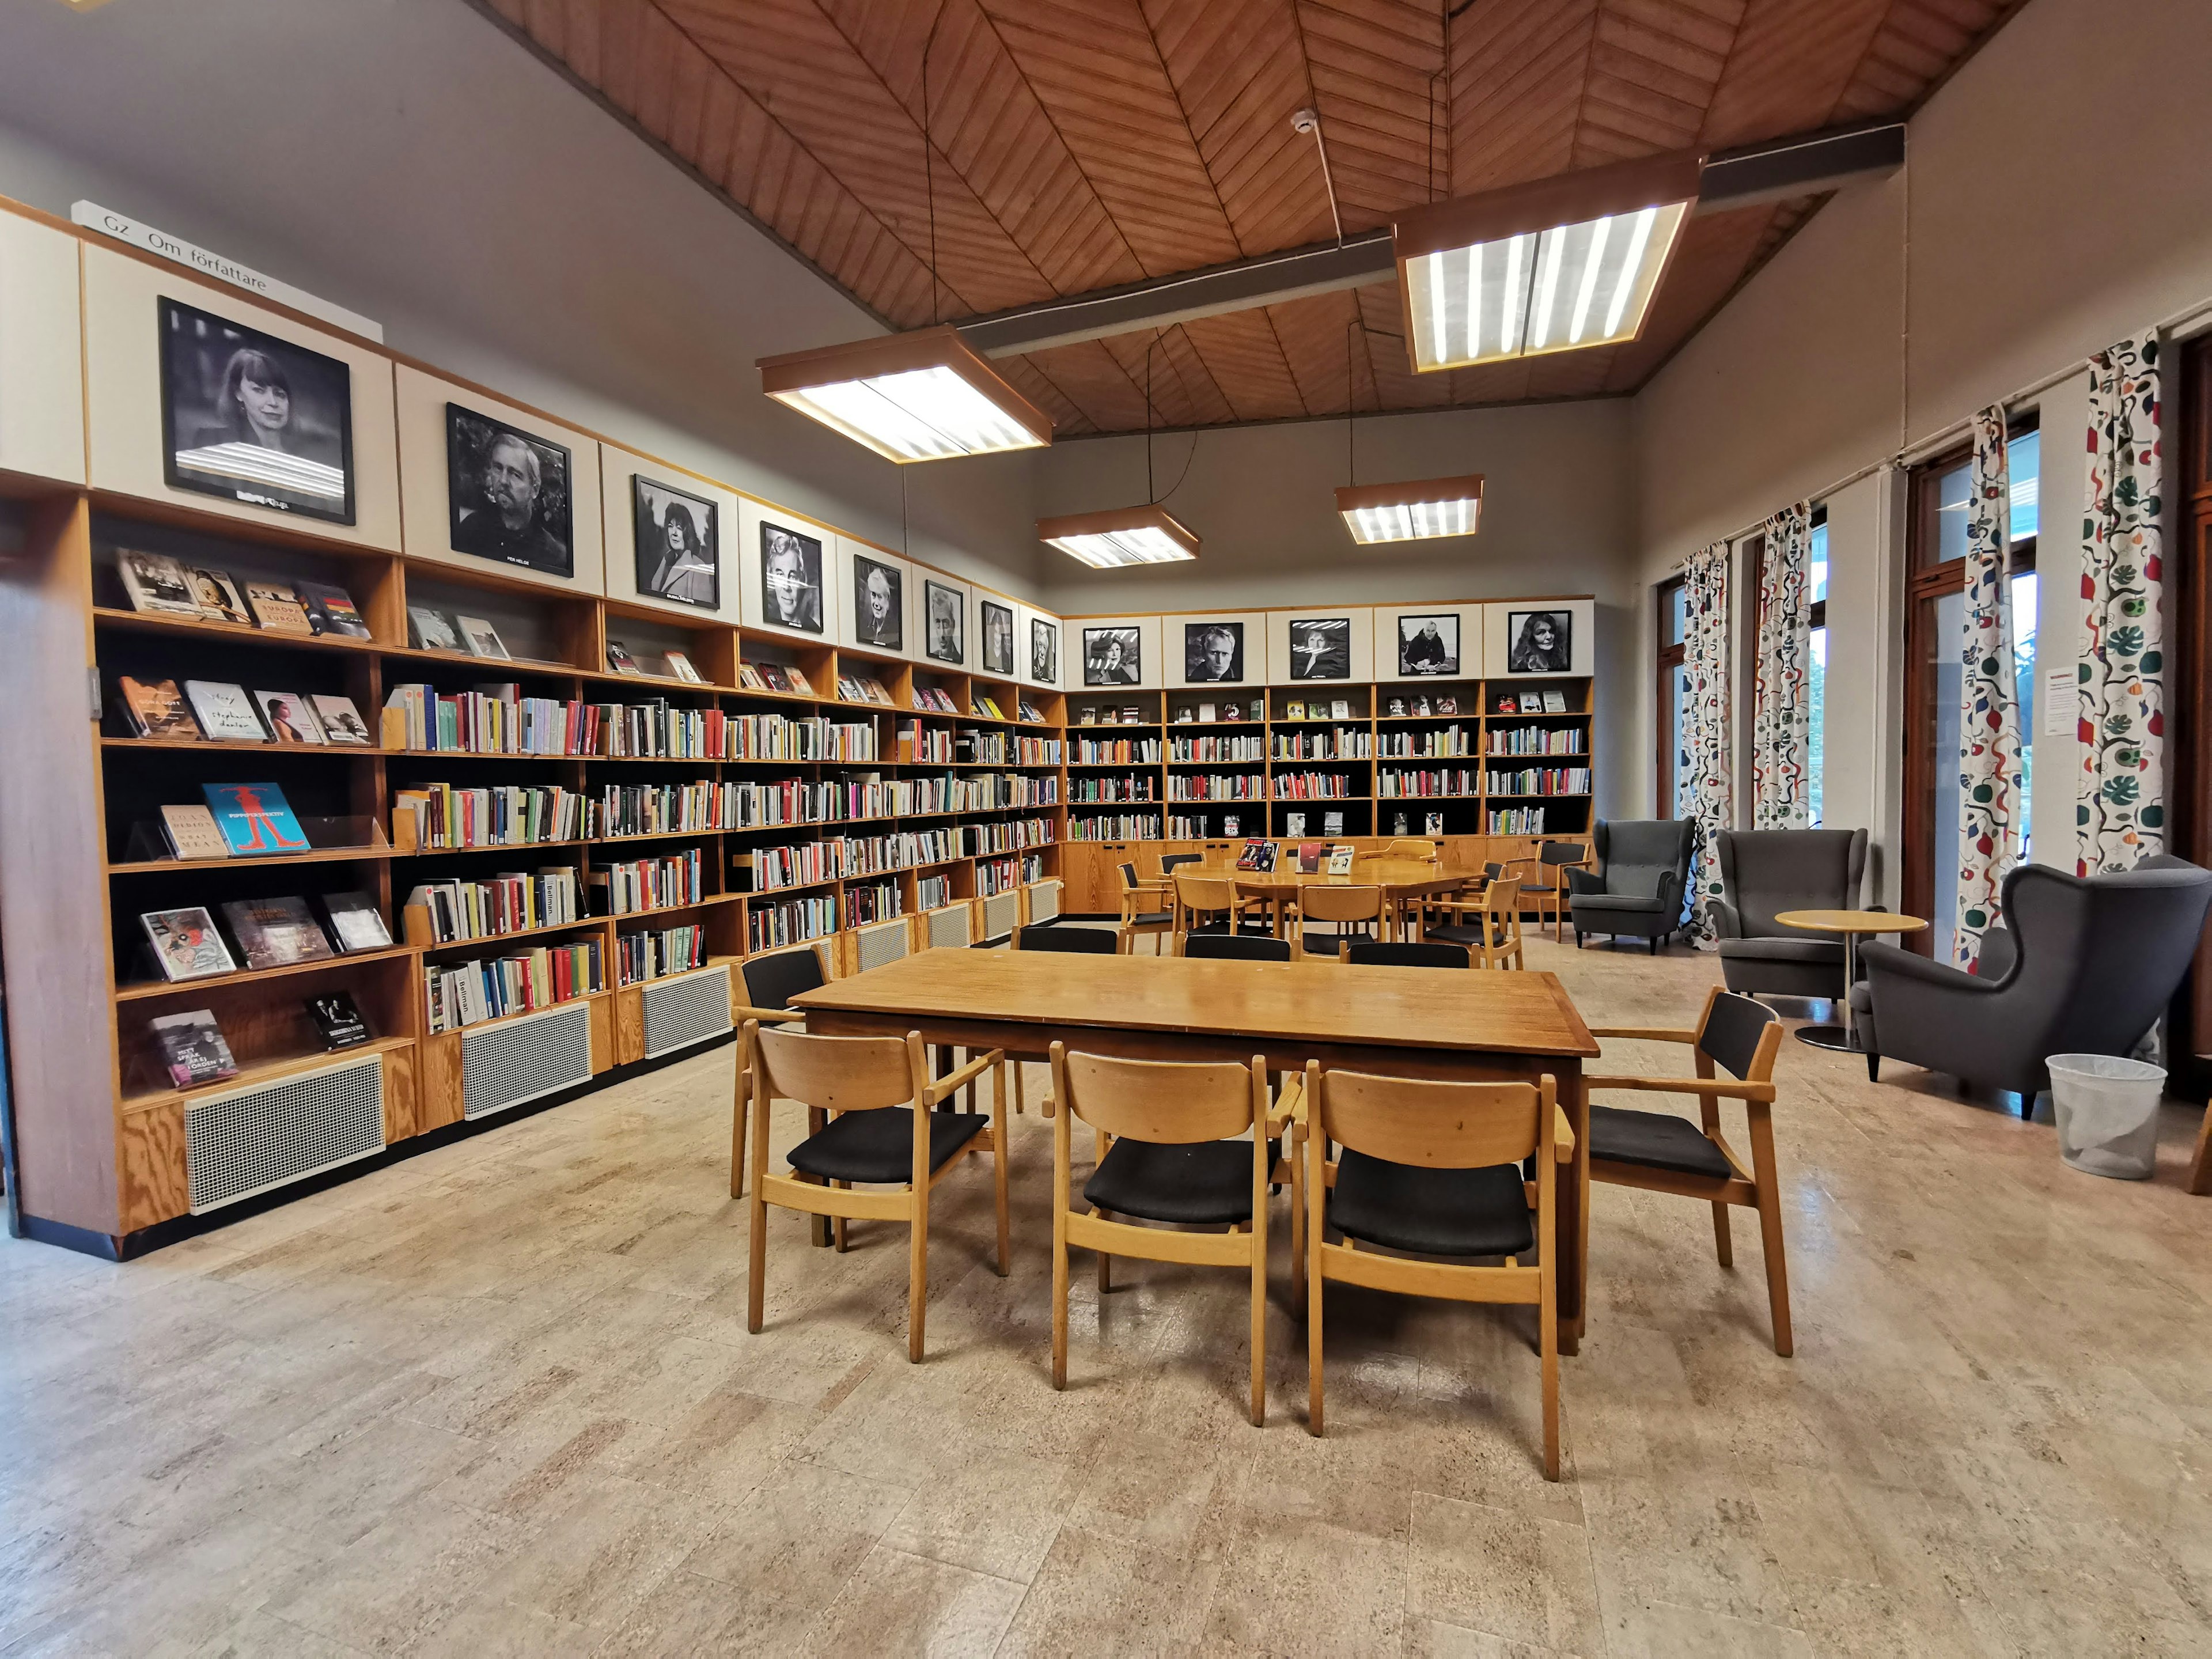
1851,924
1400,1022
1403,882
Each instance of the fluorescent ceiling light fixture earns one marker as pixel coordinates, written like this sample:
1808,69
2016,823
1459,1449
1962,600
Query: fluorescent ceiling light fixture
1555,266
1116,539
1412,511
923,396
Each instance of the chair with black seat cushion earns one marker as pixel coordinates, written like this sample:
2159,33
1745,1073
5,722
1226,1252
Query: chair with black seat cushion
1148,907
1351,913
1433,1169
1210,903
771,983
873,1122
1637,891
1075,940
1406,953
1185,1145
1236,947
1547,882
1171,861
1764,872
1661,1153
2083,964
1489,927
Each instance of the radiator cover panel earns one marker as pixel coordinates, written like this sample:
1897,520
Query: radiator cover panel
948,928
885,942
519,1059
247,1141
1002,913
1044,900
679,1012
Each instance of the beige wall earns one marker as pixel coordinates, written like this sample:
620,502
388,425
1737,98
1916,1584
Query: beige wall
2054,200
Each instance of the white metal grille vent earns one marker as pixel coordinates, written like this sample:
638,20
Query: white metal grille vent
885,942
949,928
1002,913
680,1011
1044,901
520,1059
238,1145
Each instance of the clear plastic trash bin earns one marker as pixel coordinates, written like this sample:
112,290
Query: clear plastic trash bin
2107,1110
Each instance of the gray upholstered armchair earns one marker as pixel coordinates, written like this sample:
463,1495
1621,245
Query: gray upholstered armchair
1766,872
1636,893
2083,965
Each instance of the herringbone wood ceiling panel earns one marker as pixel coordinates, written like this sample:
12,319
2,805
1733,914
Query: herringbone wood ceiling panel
940,159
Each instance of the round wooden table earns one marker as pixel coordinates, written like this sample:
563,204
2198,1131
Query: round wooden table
1403,882
1851,924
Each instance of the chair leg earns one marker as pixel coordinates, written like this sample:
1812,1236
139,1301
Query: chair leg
738,1116
1316,1295
999,1160
1722,1244
1259,1231
837,1226
917,1274
1105,1261
756,1267
1060,1292
1770,1230
1547,1337
1297,1236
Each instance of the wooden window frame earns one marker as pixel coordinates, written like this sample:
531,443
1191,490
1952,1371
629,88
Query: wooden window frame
1670,658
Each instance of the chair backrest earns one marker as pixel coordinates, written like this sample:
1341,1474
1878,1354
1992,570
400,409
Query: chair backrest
1409,847
771,982
1405,953
1740,1035
1562,852
1502,896
2099,957
1128,877
1766,872
1493,871
1169,861
1239,947
1436,1126
837,1073
1323,902
1206,892
1080,941
1168,1103
1638,854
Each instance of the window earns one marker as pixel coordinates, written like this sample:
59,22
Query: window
1934,648
1674,692
1816,688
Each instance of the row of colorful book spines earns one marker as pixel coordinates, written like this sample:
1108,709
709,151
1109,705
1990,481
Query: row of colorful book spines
1463,781
879,903
1555,781
458,911
655,953
490,986
1109,792
790,922
776,868
1117,754
1536,741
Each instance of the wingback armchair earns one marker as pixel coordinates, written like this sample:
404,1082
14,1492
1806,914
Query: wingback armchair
2083,965
1637,891
1766,872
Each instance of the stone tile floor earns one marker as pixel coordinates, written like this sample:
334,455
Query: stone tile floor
501,1400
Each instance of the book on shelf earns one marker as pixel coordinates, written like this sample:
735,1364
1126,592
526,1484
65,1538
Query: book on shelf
749,679
1310,854
224,712
432,630
1086,717
1332,824
848,690
800,683
155,708
355,922
337,1019
186,944
331,610
1259,855
1132,715
277,609
289,718
156,584
1448,705
1294,824
619,658
193,1050
341,722
879,692
1339,860
773,678
680,668
1030,712
1206,711
1231,825
1555,701
482,638
255,819
192,834
1339,709
219,597
1422,706
1433,824
1294,710
276,932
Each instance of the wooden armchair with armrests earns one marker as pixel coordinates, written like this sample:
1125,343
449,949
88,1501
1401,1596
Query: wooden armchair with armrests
771,983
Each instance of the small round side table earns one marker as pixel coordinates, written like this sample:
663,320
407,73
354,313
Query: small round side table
1851,924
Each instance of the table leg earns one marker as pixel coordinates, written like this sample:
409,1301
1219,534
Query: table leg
1574,1223
1841,1037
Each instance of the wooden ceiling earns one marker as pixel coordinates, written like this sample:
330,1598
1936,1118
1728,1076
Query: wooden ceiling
1081,144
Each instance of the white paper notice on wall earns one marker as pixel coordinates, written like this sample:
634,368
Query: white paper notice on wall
2062,700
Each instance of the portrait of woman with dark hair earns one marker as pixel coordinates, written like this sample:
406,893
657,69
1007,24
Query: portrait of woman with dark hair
253,418
1542,642
676,545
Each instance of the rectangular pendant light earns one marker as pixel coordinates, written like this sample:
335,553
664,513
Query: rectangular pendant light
1554,265
1412,511
1122,536
923,396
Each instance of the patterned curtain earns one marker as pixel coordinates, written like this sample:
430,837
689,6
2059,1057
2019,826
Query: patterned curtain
1781,692
1703,788
1989,726
2120,810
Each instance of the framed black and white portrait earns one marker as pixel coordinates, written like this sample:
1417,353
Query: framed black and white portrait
1428,645
1044,651
248,417
1213,653
946,612
878,603
508,495
1540,641
1321,648
1110,656
679,545
998,637
791,579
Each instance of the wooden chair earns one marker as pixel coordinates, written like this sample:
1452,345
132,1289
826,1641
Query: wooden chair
1492,928
1352,911
1411,847
1069,938
1210,895
1548,887
872,1137
771,983
1236,947
1405,953
1433,1169
1172,1148
1146,920
1661,1153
